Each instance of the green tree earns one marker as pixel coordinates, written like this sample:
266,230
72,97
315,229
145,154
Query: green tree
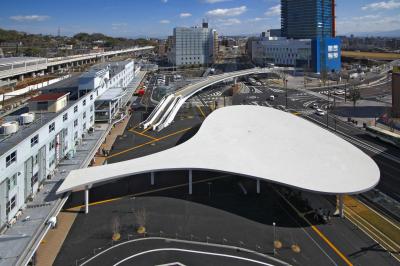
354,95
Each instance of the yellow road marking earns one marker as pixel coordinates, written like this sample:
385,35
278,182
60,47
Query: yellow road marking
149,192
201,111
141,134
323,237
337,251
147,143
147,129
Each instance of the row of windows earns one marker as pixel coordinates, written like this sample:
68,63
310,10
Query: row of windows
10,159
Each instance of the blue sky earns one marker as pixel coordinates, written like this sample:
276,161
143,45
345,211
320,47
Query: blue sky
131,18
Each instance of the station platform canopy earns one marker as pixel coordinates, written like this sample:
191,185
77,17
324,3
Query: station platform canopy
256,142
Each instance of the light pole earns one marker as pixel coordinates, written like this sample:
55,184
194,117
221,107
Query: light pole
286,92
274,227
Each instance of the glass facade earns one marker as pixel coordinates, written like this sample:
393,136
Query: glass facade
307,19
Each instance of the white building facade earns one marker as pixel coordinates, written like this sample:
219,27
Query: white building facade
282,51
193,46
31,154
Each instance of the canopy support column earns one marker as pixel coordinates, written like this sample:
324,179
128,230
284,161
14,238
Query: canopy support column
86,200
190,181
152,178
341,206
258,186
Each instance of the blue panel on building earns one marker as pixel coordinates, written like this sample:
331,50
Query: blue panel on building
326,54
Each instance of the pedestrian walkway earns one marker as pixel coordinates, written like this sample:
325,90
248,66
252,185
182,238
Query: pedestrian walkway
52,242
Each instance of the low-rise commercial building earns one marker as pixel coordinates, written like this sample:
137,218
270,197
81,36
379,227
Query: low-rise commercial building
34,143
282,51
315,55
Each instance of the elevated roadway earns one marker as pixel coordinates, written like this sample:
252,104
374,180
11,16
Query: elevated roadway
164,113
22,66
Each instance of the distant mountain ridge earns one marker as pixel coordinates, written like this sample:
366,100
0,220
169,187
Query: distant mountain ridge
392,33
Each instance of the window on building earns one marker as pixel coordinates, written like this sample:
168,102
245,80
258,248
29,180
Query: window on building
35,159
34,140
91,96
91,118
76,123
65,117
84,115
76,135
91,108
52,127
42,106
12,158
84,126
11,182
51,145
34,179
84,103
11,204
75,108
52,161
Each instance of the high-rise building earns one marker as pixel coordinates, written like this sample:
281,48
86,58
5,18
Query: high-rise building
315,20
308,19
193,46
396,92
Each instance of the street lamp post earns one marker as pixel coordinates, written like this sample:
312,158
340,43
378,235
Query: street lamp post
286,92
274,226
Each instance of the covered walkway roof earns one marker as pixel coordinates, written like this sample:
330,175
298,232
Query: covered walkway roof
257,142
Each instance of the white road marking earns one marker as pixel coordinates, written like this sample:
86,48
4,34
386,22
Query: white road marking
195,252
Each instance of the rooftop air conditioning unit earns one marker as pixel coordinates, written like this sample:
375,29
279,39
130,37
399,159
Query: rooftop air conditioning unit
27,118
9,128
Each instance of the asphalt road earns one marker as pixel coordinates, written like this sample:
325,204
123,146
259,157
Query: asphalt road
222,209
157,251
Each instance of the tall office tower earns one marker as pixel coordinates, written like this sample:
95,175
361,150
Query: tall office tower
396,92
308,19
194,46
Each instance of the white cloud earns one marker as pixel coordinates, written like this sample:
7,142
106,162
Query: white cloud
165,21
227,12
368,23
257,19
215,1
274,11
229,22
185,15
29,18
382,5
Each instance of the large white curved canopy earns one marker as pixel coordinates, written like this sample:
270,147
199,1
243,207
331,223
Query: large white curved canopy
257,142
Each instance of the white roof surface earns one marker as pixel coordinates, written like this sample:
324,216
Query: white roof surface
257,142
111,94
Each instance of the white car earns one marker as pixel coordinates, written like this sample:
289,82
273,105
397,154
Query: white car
315,106
339,92
320,112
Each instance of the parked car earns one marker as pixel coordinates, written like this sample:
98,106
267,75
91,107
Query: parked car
320,112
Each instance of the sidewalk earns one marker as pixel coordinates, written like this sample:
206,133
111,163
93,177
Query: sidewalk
54,239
